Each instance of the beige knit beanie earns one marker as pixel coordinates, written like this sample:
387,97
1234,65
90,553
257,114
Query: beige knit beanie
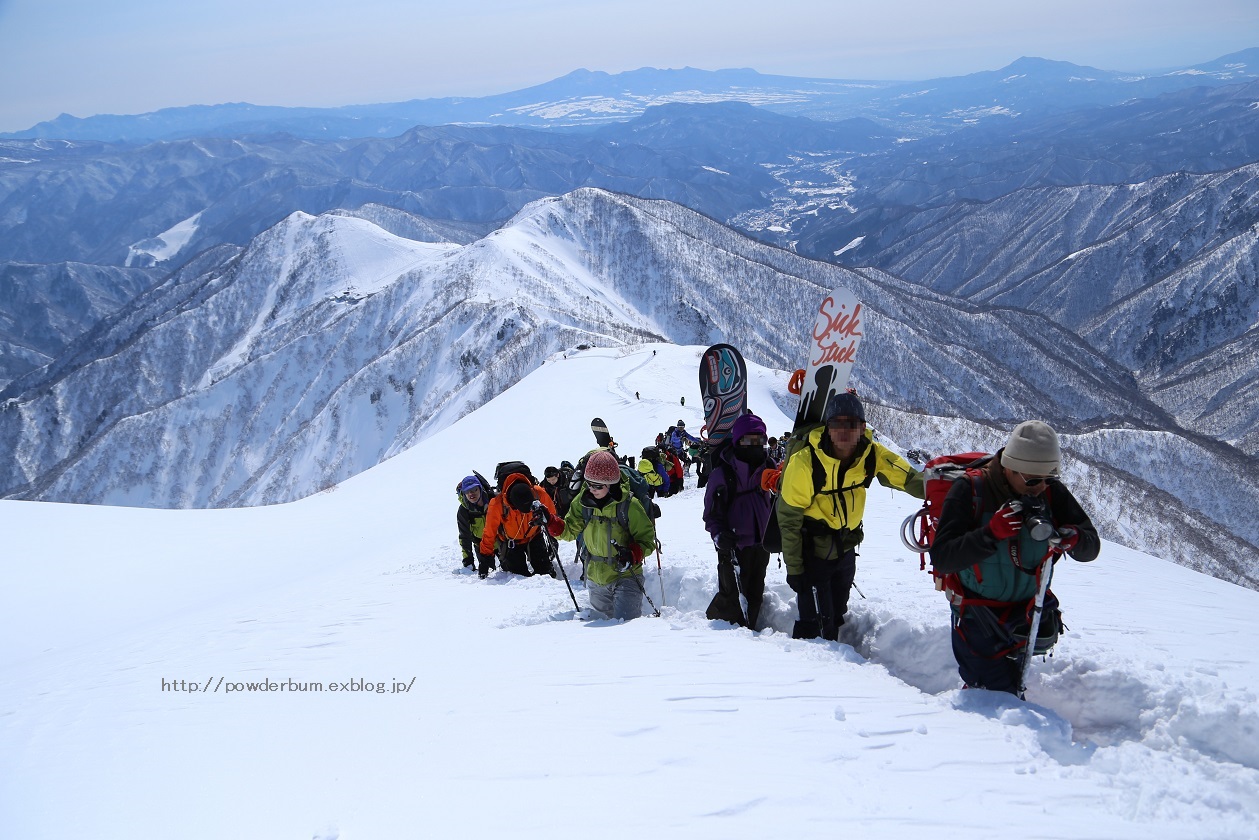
1032,449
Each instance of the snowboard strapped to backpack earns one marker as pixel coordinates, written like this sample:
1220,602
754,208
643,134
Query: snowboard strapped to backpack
799,439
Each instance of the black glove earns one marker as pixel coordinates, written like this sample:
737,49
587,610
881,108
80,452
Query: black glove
724,541
539,514
627,556
798,583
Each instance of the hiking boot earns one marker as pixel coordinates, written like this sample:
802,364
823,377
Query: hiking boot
806,630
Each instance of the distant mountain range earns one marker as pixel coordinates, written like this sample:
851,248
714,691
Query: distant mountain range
1029,86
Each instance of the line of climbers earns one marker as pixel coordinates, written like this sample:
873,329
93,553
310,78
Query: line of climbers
993,538
604,503
997,531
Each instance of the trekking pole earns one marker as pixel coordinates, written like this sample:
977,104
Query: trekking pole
638,579
859,592
1038,607
554,550
660,571
733,557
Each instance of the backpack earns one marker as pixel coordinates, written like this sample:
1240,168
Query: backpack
506,468
772,542
918,531
938,474
641,490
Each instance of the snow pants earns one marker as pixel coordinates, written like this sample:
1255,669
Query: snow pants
748,576
514,558
982,642
822,608
622,598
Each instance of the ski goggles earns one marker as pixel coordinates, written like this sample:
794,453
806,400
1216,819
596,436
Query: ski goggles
844,423
597,485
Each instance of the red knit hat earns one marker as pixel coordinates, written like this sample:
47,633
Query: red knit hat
602,468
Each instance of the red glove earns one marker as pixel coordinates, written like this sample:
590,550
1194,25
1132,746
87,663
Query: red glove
636,552
1067,539
770,480
1006,522
555,526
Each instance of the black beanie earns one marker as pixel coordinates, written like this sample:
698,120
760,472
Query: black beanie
845,404
521,497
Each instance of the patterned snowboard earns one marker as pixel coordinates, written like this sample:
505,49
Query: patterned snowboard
723,381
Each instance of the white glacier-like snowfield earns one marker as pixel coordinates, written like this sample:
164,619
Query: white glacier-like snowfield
515,718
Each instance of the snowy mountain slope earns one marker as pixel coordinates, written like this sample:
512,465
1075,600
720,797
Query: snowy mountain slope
254,380
112,204
329,345
1195,131
1223,413
1157,276
307,346
1066,235
510,718
45,307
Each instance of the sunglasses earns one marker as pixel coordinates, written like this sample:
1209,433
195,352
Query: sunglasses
1034,480
595,485
844,423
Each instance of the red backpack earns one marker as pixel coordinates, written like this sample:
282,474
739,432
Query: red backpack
919,529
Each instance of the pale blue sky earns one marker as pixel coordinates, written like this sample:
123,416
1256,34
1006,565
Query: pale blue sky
86,57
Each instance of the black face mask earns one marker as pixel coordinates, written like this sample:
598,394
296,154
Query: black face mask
751,455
